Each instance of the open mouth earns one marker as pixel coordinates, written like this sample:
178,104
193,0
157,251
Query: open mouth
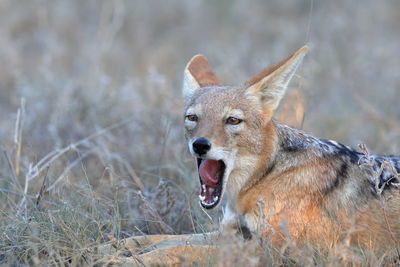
211,173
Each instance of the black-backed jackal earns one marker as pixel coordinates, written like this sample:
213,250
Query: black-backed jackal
279,182
311,190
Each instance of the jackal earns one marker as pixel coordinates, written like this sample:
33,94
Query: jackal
301,187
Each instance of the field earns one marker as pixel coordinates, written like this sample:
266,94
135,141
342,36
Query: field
91,127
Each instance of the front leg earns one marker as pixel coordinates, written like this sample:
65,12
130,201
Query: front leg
156,250
234,224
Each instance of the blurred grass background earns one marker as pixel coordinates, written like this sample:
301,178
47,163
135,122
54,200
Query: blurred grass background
112,70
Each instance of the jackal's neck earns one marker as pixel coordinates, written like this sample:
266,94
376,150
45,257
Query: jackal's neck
278,139
286,148
251,164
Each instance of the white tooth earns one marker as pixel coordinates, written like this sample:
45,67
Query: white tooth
202,197
215,198
204,187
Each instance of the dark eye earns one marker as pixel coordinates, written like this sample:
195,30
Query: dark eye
233,121
192,117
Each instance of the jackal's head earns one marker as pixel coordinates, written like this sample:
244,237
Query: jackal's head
226,125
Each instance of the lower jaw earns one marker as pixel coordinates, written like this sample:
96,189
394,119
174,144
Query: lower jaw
209,206
216,199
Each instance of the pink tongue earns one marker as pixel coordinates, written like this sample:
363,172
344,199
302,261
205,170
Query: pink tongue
209,171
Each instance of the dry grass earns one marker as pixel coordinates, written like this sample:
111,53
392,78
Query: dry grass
91,134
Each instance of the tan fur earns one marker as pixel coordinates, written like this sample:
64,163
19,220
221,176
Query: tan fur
202,72
306,194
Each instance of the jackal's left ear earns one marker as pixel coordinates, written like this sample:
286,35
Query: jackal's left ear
197,74
270,84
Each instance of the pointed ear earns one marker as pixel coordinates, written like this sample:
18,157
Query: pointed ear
270,84
197,74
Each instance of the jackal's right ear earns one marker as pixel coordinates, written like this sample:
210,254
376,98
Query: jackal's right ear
197,74
270,85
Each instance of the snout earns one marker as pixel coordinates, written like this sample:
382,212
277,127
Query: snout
212,168
201,146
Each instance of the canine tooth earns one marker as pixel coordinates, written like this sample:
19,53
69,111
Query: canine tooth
215,198
204,187
202,197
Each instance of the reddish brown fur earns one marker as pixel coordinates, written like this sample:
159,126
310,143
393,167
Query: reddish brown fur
302,208
299,206
201,71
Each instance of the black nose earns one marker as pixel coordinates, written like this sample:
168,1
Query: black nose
201,146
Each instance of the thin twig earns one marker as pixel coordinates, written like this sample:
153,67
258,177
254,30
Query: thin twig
309,21
12,170
43,187
19,123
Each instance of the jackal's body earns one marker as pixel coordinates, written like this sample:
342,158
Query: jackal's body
320,190
277,179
